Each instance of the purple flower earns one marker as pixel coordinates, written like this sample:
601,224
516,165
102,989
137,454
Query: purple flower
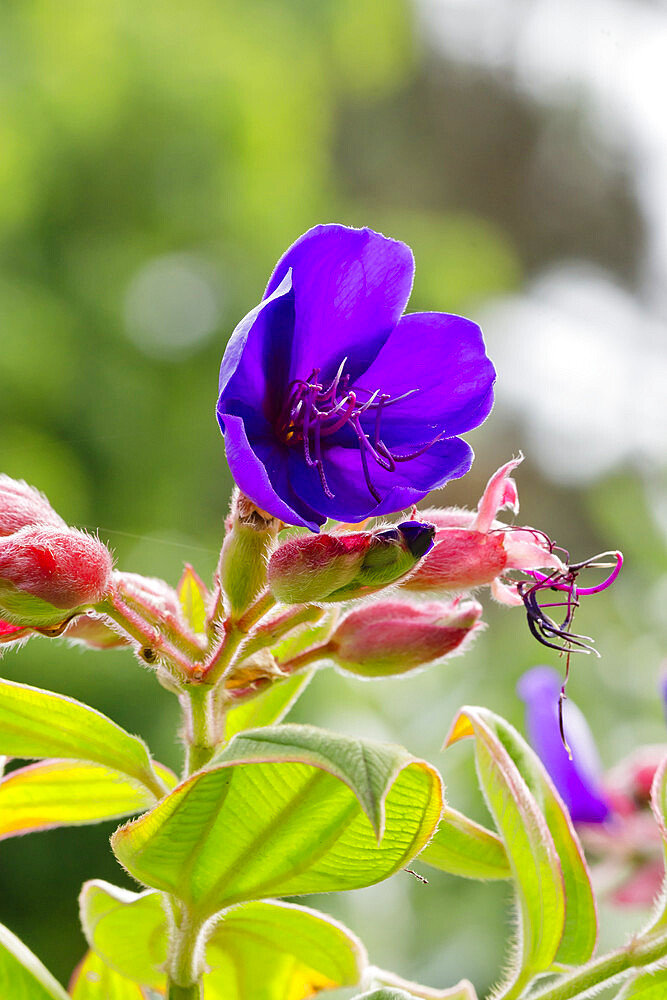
577,780
334,404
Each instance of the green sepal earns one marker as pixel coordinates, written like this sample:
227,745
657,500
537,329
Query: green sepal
251,535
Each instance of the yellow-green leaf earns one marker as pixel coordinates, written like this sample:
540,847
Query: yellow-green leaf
659,809
530,850
646,986
36,723
94,980
265,950
462,847
580,928
69,793
269,707
285,810
22,975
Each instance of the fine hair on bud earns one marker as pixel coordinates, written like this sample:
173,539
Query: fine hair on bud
23,506
393,637
47,571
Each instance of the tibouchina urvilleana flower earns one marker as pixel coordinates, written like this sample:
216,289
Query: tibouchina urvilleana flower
577,779
334,404
611,810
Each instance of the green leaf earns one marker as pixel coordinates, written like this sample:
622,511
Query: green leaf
127,929
270,950
646,986
35,723
530,849
387,982
581,925
285,810
69,793
22,975
265,950
94,980
192,597
269,707
385,993
462,847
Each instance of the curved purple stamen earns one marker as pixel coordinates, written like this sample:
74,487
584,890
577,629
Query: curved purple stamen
312,412
554,584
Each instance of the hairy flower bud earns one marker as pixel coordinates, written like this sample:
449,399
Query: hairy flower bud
392,637
46,572
251,535
338,567
473,549
23,506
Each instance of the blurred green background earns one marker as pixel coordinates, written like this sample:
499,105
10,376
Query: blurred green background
155,160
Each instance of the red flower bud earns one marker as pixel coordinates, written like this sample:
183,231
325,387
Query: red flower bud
392,637
339,567
22,506
46,571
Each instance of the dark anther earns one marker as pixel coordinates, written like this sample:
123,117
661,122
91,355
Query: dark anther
558,635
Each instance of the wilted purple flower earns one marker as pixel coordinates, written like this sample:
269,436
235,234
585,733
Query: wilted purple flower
577,779
331,402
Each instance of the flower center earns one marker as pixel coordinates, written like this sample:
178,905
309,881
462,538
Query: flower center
314,412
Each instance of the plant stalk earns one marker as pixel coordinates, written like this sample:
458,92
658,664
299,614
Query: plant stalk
604,970
203,726
185,956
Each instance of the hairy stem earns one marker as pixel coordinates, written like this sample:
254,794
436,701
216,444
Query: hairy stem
185,954
204,725
307,658
272,631
604,970
146,634
235,635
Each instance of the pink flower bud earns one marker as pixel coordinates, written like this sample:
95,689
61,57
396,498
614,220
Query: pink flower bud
22,506
392,637
46,572
459,561
155,597
473,549
338,567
